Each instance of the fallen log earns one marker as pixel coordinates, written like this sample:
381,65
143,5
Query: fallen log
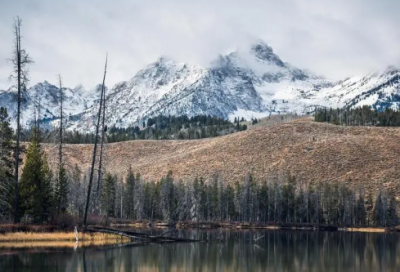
140,236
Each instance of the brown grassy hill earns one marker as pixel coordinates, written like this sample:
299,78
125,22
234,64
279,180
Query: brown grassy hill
311,151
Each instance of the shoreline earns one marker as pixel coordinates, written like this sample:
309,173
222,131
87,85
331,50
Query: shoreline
250,226
36,233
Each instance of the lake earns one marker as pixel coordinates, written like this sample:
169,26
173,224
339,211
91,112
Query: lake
226,251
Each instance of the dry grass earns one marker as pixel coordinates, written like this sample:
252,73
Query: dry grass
311,151
57,244
273,120
365,229
58,236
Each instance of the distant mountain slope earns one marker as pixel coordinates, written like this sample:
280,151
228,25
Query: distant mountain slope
253,82
47,96
313,152
378,89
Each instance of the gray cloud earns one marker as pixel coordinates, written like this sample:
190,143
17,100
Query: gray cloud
333,38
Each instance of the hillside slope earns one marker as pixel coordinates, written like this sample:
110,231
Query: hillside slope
310,151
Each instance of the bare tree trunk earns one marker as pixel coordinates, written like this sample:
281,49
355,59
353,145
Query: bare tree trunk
19,60
95,146
103,135
60,154
17,29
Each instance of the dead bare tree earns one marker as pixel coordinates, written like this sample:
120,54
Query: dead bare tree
103,135
20,59
60,143
95,146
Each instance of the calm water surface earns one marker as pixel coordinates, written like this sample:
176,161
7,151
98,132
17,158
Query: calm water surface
237,251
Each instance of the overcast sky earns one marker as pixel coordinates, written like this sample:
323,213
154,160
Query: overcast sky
334,38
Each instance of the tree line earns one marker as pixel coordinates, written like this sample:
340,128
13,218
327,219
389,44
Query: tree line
46,194
42,193
274,201
361,116
177,127
157,128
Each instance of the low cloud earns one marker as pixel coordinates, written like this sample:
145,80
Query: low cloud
332,38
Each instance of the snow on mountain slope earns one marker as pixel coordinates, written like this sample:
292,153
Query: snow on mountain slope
46,97
253,82
378,90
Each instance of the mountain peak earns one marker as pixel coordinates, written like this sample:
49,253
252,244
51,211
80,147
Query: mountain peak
265,53
164,59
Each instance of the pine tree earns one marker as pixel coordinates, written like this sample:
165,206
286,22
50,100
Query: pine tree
195,195
61,191
361,213
108,195
230,203
379,211
391,213
76,192
183,201
167,197
6,164
35,184
245,203
130,195
301,207
139,198
202,191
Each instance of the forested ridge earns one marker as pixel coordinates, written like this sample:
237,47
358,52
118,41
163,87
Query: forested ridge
362,116
157,128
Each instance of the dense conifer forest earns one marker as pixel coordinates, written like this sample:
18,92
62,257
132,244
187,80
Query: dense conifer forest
157,128
363,116
279,200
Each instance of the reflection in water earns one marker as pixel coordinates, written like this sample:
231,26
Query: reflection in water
239,251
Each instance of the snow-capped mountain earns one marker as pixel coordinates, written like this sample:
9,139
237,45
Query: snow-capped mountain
245,83
379,90
46,97
240,83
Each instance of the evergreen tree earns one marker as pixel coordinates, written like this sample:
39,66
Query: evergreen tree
361,213
391,213
76,192
167,197
130,195
301,207
61,191
379,211
230,203
194,191
108,196
35,186
139,198
6,164
202,191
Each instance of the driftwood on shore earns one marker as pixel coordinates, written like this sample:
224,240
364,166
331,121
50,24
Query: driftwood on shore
143,237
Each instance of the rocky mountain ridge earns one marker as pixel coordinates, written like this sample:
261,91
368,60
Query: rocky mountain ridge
244,83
